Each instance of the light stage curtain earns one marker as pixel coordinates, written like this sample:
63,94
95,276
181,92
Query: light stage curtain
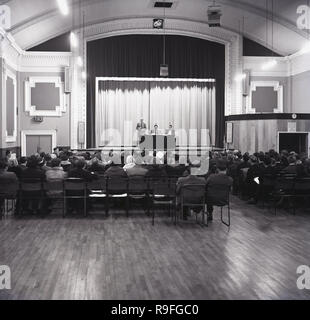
189,106
120,105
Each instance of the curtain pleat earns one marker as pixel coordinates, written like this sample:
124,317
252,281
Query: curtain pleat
189,106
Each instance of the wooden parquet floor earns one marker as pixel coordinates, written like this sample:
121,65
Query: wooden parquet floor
128,258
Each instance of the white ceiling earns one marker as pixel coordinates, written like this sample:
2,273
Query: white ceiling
35,21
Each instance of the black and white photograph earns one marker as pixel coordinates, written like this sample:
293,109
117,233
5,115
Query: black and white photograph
154,154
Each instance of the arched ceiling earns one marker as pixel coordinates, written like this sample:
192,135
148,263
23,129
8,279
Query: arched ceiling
35,21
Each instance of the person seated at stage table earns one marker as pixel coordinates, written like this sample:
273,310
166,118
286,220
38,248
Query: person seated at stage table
155,130
170,130
141,125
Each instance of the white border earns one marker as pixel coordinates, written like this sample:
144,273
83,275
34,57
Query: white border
25,133
275,85
10,74
31,83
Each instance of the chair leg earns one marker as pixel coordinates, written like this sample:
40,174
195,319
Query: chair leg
63,207
228,213
107,203
127,207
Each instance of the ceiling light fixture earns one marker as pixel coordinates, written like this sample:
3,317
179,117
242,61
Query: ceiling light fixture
79,61
305,49
63,7
269,64
239,77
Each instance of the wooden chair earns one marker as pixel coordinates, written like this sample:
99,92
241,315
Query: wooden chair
75,188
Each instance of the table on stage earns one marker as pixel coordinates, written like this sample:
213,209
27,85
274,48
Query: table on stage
158,142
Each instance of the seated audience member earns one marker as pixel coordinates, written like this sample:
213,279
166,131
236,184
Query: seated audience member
129,163
191,179
6,178
95,165
65,163
137,169
56,172
22,163
176,169
115,171
254,175
291,168
14,167
33,170
79,171
217,180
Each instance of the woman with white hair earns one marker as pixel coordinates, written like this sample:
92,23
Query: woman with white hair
129,163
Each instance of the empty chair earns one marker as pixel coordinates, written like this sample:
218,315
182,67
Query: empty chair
54,190
31,195
98,189
138,189
163,193
8,192
75,190
117,188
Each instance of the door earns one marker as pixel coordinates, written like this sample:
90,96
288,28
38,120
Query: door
297,142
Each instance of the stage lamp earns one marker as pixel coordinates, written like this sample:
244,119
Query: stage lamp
79,61
305,49
74,40
63,7
269,64
240,77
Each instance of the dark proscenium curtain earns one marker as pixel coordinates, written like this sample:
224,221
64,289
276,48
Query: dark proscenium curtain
141,56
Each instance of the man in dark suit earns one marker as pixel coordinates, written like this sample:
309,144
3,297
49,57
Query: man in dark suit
191,179
78,171
217,185
115,171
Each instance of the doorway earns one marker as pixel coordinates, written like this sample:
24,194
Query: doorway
294,141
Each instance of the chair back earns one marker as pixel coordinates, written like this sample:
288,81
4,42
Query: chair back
74,184
218,195
302,186
137,184
54,186
285,182
117,185
193,194
164,186
31,185
8,190
99,184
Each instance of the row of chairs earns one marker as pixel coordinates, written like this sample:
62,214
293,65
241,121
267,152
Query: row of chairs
285,186
155,191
